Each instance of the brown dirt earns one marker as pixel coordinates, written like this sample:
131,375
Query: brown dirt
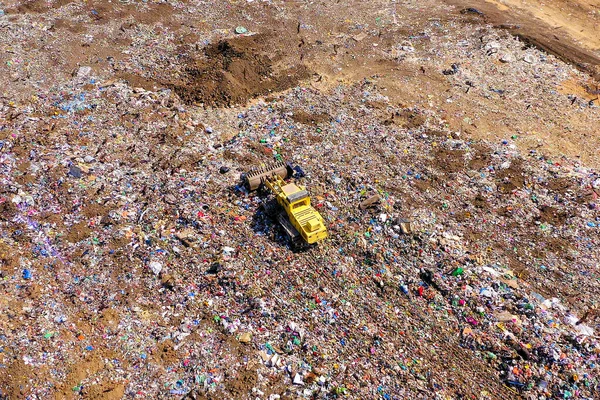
234,71
481,157
462,216
7,256
33,291
53,218
405,119
100,12
561,185
245,158
94,210
104,391
40,6
15,379
242,383
20,233
25,178
510,178
450,161
7,210
77,373
423,186
587,89
587,196
558,246
110,317
78,232
303,117
552,216
480,201
137,81
166,353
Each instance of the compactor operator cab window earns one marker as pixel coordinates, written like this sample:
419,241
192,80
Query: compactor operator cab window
301,203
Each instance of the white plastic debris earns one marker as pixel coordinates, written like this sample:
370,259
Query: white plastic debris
156,267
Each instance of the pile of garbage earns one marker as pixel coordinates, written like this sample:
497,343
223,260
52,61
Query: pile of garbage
134,263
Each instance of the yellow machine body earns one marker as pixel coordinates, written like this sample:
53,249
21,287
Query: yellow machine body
294,199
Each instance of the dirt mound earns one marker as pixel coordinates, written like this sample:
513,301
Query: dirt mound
235,70
405,119
303,117
450,161
78,232
511,178
167,353
552,216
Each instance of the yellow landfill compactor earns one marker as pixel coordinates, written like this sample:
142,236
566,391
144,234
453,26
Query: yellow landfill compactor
301,222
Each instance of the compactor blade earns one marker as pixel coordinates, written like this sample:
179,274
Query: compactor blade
254,178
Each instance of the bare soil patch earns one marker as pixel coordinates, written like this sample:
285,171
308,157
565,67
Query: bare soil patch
234,71
511,178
